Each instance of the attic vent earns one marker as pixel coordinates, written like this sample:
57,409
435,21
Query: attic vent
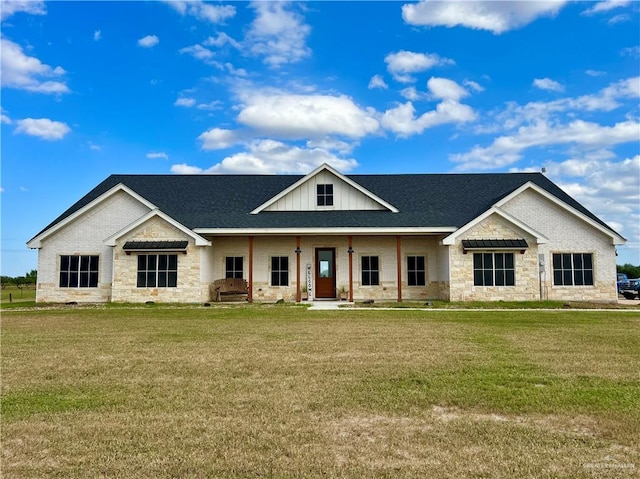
140,246
495,244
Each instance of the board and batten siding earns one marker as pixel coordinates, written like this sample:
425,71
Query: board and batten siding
345,196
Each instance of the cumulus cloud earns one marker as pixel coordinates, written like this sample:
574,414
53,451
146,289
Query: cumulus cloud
24,72
203,11
445,89
218,139
278,34
307,116
404,63
377,82
221,40
402,119
185,101
271,157
496,17
198,51
32,7
548,84
148,41
42,128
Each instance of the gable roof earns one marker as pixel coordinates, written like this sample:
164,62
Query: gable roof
211,202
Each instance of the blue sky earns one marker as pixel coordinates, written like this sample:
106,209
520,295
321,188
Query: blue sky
95,88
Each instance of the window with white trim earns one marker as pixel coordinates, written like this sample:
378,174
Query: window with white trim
416,273
370,271
279,271
157,271
79,271
494,269
233,267
573,269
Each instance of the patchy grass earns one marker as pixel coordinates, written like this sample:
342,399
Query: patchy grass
278,391
11,295
439,304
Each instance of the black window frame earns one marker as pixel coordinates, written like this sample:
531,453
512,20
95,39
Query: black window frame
157,270
494,269
234,267
324,194
370,270
573,269
279,271
79,271
416,270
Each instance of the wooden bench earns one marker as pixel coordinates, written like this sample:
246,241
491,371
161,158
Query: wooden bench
229,287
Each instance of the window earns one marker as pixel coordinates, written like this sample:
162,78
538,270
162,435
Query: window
573,269
325,195
233,267
157,271
416,271
280,271
370,271
78,271
493,269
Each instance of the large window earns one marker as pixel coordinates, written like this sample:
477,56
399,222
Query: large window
370,271
416,275
78,271
493,269
157,270
573,269
325,195
280,271
233,267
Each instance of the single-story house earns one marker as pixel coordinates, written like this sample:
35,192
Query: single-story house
458,237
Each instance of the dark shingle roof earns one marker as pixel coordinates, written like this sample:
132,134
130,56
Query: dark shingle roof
423,200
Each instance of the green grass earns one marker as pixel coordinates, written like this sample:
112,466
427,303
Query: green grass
14,296
279,391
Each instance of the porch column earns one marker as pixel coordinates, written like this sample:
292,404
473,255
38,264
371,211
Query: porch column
350,251
399,266
250,295
298,290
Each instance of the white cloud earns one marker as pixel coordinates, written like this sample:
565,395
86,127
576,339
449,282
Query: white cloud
496,17
185,101
605,6
32,7
198,51
445,89
23,72
278,34
473,85
218,139
5,119
595,73
548,84
411,93
157,154
42,128
221,40
184,169
623,17
271,157
508,149
631,51
403,63
148,41
377,82
402,119
307,116
94,147
97,35
203,11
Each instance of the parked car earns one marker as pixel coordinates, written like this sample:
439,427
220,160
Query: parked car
622,282
631,290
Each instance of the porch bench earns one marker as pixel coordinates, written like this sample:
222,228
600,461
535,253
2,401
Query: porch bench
229,287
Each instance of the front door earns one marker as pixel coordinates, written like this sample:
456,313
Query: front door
325,273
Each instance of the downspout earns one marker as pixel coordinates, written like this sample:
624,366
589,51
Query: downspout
399,266
250,295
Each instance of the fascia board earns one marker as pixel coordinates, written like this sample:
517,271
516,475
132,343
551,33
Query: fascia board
615,237
324,231
36,241
199,240
324,167
451,239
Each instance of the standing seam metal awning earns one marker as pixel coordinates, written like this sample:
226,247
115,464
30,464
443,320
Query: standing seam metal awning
495,244
177,246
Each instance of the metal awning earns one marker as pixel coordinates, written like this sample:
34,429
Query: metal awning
494,244
155,246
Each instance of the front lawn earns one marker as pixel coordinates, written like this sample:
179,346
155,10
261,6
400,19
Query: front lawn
269,391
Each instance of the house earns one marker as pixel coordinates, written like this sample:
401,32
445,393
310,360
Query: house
458,237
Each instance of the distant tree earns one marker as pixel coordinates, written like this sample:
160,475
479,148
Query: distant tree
630,270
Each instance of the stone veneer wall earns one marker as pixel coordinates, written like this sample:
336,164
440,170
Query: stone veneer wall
126,267
527,287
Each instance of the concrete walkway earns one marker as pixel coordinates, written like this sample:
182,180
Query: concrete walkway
327,304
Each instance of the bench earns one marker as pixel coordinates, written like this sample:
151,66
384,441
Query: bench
229,287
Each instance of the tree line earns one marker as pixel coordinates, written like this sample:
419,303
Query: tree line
630,270
20,282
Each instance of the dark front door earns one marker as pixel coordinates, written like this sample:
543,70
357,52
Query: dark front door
325,273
